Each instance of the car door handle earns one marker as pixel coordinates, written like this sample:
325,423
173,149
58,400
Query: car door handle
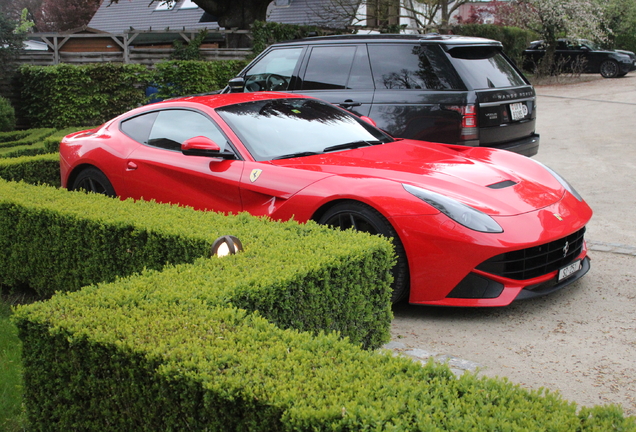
131,166
349,104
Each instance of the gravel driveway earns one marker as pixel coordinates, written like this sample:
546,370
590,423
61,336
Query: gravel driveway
580,341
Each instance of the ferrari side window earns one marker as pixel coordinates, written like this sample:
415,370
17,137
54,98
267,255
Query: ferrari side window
138,128
173,127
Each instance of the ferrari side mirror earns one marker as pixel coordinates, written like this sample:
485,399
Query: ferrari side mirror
204,146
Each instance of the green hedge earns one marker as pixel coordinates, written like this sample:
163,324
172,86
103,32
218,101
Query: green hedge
13,135
68,95
7,114
34,142
266,33
307,276
32,136
112,358
188,77
514,39
43,169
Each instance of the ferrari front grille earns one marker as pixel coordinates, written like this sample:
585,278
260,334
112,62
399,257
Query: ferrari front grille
535,261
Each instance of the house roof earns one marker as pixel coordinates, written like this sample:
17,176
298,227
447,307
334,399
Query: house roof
140,15
322,13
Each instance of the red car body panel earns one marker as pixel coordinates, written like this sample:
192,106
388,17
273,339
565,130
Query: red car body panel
534,211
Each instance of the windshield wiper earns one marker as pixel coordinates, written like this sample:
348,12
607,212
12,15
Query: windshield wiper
351,145
293,155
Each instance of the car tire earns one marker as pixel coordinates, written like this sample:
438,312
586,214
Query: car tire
609,69
93,180
359,216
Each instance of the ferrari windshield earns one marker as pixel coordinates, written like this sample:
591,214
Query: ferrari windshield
285,128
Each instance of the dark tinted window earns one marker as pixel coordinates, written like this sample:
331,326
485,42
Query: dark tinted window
484,67
338,68
173,127
277,128
404,66
138,128
170,128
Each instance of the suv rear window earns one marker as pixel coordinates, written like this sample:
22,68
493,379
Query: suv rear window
404,66
484,67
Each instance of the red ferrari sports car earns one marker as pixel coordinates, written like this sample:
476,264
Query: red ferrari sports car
471,226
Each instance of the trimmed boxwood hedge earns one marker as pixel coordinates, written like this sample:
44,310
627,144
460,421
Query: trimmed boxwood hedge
306,276
113,358
218,343
42,169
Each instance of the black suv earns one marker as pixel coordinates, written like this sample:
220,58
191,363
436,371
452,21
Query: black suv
448,89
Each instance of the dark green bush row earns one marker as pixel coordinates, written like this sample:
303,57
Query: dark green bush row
177,78
127,356
514,39
36,142
13,135
267,33
7,114
43,169
34,136
67,95
306,276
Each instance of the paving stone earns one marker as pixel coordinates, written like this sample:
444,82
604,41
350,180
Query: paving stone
420,353
394,345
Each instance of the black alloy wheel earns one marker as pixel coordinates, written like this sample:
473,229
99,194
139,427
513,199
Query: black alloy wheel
93,180
361,217
609,69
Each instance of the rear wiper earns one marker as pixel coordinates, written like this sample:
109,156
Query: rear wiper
299,154
351,145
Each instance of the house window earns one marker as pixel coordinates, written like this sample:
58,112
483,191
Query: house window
383,13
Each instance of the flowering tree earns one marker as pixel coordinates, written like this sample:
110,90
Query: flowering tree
61,15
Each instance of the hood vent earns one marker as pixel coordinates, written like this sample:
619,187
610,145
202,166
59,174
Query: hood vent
502,185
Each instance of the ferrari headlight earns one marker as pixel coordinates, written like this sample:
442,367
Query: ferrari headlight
459,212
561,180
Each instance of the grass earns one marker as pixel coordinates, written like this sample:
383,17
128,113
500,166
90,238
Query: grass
12,414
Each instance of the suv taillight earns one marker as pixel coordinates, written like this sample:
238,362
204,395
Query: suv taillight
470,127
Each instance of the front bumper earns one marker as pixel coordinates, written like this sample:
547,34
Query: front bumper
446,260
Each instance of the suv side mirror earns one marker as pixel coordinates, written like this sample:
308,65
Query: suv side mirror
237,85
204,146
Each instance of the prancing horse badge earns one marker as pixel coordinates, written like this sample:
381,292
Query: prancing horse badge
255,174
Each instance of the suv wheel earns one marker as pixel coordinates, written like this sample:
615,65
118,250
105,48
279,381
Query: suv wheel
609,69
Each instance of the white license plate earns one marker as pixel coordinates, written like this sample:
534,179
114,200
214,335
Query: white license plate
518,111
569,270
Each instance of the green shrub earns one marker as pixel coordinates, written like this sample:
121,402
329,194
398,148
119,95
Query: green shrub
189,77
267,33
13,135
306,276
34,136
44,169
7,115
513,39
112,358
67,95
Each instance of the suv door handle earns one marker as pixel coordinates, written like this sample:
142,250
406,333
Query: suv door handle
349,104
